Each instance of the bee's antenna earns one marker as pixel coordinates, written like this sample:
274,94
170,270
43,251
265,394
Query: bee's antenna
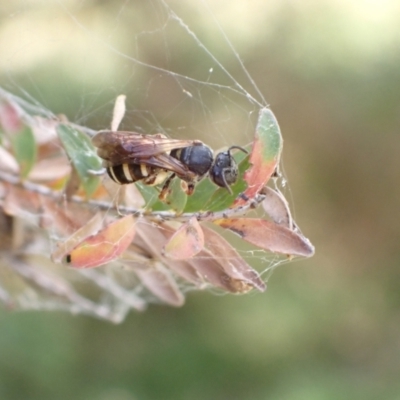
226,186
239,148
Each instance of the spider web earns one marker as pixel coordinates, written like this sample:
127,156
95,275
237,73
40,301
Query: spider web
182,76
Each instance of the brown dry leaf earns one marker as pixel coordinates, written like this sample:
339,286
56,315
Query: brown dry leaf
18,202
276,206
64,218
73,184
186,242
158,280
269,236
232,263
213,271
6,232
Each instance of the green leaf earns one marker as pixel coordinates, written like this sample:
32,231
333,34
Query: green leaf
24,149
82,155
150,196
202,193
177,198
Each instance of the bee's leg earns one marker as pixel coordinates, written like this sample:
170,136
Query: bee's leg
165,189
190,188
150,180
156,177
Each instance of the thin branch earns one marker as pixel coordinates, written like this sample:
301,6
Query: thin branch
155,215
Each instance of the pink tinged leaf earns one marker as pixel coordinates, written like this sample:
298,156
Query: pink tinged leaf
50,169
104,246
10,119
269,236
152,238
277,207
159,281
8,162
186,242
66,219
44,129
132,197
21,203
90,228
232,263
209,267
265,154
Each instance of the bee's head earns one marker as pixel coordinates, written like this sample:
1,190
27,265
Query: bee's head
224,171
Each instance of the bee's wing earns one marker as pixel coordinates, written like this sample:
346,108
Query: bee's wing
165,161
120,147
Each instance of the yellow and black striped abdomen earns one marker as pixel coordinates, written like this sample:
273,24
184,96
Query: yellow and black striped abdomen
124,174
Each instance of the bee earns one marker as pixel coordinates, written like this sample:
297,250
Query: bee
155,159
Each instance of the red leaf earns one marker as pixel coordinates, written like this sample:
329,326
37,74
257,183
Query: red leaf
265,154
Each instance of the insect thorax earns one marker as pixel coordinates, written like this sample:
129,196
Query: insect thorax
198,159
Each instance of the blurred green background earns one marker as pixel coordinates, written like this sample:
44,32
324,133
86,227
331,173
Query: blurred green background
327,327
